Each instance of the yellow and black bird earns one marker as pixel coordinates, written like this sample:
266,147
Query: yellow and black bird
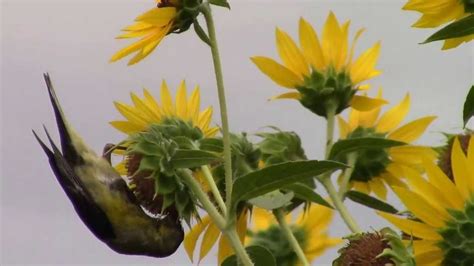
102,198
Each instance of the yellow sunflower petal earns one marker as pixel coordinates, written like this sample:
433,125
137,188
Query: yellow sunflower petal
421,208
291,54
126,127
343,127
131,114
144,109
361,186
310,45
455,42
462,177
443,183
364,103
262,219
166,100
288,95
191,238
277,72
318,218
430,258
411,131
422,246
208,240
393,117
181,101
378,187
194,105
158,16
121,168
205,118
367,119
411,154
356,38
332,39
150,47
225,250
411,227
152,36
363,67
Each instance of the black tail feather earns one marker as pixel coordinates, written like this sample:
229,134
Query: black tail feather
67,147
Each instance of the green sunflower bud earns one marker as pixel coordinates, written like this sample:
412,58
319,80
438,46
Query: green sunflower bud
187,11
280,146
324,91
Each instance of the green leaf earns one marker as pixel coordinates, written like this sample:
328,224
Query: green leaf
278,176
345,146
211,144
192,158
223,3
272,200
260,256
460,28
468,110
370,201
201,33
306,193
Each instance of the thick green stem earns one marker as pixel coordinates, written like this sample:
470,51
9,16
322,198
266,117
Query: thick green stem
339,205
239,249
326,179
344,186
195,187
206,11
215,191
280,216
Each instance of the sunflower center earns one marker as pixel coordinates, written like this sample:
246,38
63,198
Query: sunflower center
365,250
370,163
325,90
458,236
276,242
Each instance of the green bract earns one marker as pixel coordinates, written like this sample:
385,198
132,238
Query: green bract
329,90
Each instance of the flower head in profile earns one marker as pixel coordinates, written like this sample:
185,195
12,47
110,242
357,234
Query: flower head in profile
443,211
168,16
438,12
210,234
310,229
375,167
154,132
321,71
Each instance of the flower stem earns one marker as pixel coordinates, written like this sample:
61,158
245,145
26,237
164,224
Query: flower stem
326,179
195,187
340,207
279,215
206,11
215,191
344,186
239,249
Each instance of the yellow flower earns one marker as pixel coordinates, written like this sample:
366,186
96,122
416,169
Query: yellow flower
444,211
310,229
318,65
438,12
147,111
375,167
211,235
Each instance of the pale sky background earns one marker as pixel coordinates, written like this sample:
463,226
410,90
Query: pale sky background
74,39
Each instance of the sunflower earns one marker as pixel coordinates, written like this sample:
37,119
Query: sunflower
320,71
442,229
310,229
147,111
375,167
211,235
438,12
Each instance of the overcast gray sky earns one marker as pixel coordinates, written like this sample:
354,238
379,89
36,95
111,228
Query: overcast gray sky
73,40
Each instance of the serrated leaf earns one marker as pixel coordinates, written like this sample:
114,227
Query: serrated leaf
201,33
345,146
211,144
306,193
460,28
278,176
272,200
468,110
223,3
370,201
260,256
192,158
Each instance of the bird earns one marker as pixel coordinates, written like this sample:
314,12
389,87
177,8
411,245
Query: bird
102,198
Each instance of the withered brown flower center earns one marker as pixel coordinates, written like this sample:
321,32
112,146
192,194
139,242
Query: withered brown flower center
364,251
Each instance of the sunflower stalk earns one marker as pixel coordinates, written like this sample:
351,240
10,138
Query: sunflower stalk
206,11
344,186
280,216
326,179
215,191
